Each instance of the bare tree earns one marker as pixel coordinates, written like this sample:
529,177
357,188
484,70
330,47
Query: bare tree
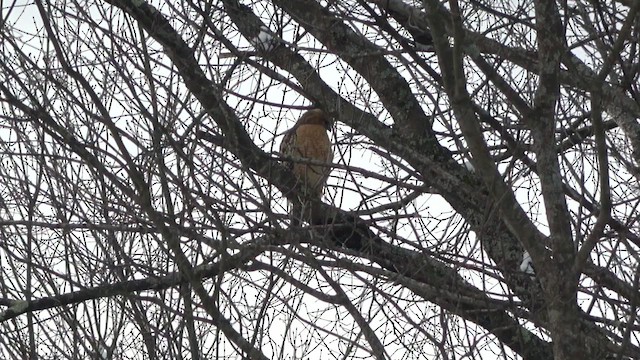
483,201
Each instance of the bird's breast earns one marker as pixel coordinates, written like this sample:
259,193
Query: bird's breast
313,142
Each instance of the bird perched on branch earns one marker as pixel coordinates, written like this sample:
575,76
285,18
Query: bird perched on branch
307,145
421,35
266,40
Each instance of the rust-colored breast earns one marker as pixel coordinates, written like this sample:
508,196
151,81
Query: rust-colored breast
309,141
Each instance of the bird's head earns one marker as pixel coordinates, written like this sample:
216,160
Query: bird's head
316,117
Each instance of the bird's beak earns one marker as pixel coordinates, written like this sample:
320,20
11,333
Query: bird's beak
329,124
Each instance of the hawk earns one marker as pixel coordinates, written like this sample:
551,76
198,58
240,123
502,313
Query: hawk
308,141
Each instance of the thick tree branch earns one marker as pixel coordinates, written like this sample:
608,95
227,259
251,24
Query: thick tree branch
624,109
174,279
